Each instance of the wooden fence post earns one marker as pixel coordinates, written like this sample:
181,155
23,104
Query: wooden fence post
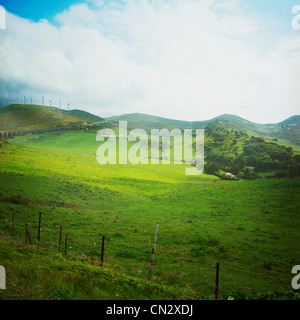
28,235
217,281
13,225
153,251
102,251
39,231
26,228
59,241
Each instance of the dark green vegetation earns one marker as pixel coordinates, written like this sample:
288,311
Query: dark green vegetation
18,116
251,227
234,151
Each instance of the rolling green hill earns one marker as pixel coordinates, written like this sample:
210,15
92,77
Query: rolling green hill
227,137
250,226
18,116
233,150
147,122
287,131
233,143
202,219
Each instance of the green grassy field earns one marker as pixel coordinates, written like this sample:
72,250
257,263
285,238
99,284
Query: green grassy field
250,227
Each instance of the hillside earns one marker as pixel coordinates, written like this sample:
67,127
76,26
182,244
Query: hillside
145,121
88,281
287,130
233,143
202,220
232,150
18,116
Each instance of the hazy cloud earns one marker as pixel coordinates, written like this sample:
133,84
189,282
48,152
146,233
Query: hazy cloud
182,59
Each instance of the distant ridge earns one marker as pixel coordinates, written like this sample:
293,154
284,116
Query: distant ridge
19,116
136,117
288,129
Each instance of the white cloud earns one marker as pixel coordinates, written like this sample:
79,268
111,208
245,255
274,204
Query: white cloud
183,59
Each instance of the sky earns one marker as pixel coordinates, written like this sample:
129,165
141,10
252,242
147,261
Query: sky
180,59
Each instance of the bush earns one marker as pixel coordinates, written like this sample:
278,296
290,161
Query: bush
211,168
248,174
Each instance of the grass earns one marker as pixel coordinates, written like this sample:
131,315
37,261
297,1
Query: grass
250,227
41,275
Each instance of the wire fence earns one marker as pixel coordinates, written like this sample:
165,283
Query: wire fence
88,247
